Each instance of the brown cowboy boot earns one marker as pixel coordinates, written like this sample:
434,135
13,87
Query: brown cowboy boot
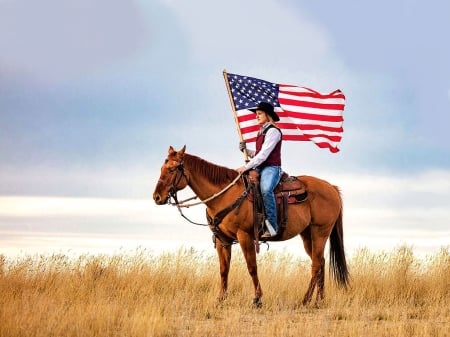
270,232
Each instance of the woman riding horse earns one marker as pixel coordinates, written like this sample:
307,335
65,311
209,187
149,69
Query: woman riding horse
316,220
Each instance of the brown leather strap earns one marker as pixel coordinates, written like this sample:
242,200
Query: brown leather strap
214,223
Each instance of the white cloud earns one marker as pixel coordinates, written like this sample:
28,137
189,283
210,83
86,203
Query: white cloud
118,180
75,244
63,206
253,32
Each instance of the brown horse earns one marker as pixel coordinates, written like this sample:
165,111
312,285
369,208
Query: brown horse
315,220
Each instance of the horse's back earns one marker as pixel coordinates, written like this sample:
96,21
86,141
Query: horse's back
317,185
324,197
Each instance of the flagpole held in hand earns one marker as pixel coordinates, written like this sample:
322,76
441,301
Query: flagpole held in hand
235,114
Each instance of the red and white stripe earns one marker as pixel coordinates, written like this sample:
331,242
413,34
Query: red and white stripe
305,115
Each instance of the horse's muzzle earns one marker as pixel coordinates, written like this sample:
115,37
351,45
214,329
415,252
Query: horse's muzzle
158,199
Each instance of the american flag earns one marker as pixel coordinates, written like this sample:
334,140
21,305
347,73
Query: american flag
305,114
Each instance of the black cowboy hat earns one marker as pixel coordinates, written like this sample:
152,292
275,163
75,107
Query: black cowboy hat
268,109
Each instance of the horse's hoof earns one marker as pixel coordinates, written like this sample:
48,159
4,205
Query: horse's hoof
257,302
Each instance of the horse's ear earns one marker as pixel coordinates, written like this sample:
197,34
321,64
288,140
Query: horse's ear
171,150
181,152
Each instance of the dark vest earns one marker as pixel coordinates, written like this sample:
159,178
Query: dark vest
274,158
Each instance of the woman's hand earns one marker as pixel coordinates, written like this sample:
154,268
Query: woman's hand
241,169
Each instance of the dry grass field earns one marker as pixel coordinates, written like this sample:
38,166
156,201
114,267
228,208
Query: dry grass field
144,294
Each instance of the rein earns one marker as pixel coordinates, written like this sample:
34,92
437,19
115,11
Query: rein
180,204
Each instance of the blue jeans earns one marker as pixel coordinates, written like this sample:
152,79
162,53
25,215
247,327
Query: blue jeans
269,178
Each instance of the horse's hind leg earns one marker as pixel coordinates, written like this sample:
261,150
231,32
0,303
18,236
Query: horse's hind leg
320,283
248,248
317,278
307,243
224,253
314,244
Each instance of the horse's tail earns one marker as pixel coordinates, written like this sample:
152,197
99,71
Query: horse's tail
338,263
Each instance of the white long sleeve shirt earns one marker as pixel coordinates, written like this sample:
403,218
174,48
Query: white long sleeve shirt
271,139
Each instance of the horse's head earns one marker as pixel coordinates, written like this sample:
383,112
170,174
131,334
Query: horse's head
172,178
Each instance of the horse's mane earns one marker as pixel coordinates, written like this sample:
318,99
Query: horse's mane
218,174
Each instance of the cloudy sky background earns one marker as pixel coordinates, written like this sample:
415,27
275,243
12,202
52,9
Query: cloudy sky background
92,93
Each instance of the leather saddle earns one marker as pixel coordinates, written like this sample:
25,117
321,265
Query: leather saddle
289,190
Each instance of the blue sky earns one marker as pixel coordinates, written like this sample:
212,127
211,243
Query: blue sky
92,93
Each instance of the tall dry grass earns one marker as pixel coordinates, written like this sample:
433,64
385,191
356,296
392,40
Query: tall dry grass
142,294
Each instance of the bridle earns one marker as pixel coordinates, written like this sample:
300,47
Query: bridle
176,179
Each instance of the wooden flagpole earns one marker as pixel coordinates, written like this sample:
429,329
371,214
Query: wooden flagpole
234,113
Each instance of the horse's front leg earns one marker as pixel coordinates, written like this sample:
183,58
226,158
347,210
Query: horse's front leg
248,248
224,253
